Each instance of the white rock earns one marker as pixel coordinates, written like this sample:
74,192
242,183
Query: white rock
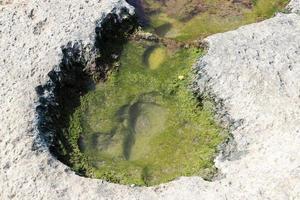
294,6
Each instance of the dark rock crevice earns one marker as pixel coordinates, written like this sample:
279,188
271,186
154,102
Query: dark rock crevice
80,68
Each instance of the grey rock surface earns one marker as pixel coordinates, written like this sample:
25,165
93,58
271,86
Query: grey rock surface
255,70
294,6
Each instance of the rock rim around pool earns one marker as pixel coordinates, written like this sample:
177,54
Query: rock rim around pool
189,143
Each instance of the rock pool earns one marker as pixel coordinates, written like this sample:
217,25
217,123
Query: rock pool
143,125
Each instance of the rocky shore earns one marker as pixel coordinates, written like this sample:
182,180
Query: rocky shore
254,70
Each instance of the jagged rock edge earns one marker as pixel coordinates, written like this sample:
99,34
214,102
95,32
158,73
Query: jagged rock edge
72,52
227,150
85,55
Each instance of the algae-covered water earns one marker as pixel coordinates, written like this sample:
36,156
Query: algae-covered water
191,19
143,125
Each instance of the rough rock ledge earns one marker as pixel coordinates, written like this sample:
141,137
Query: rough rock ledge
254,70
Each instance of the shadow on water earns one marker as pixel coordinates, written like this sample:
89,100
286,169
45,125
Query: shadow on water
128,143
146,175
135,119
129,139
126,118
147,54
163,29
140,11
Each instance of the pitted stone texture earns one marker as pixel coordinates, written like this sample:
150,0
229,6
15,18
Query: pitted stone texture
294,6
255,69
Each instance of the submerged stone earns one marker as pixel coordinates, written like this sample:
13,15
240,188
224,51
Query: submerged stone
143,127
155,56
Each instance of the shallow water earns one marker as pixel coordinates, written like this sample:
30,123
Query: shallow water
135,123
192,19
154,56
143,126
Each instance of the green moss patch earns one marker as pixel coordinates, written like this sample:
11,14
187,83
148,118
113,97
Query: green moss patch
143,126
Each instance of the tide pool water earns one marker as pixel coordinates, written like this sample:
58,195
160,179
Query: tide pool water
143,125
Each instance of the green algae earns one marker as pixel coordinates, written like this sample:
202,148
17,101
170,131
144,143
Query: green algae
215,17
143,125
